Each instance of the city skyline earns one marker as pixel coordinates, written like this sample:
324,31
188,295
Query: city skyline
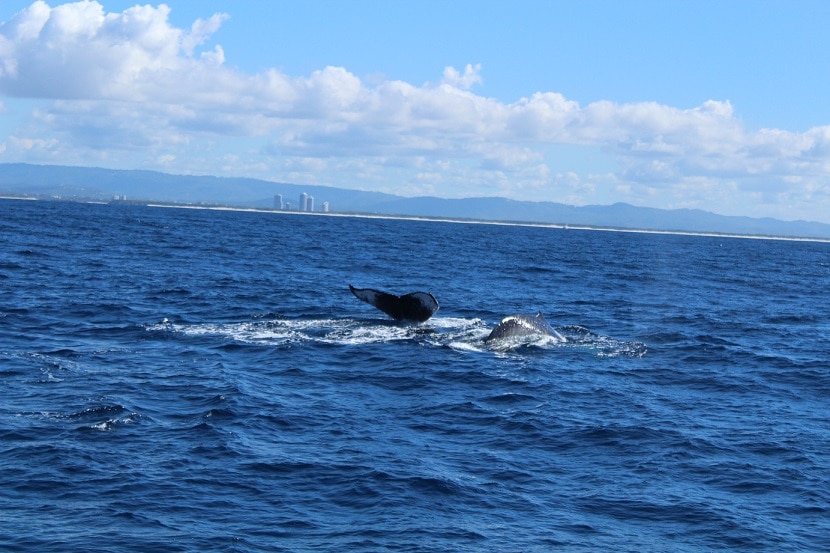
305,204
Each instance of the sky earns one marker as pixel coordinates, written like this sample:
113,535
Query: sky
721,106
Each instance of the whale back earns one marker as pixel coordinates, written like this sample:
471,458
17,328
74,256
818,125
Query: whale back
523,325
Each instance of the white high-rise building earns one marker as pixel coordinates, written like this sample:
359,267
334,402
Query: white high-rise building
278,202
303,202
309,205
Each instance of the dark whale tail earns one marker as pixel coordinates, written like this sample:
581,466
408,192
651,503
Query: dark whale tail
417,306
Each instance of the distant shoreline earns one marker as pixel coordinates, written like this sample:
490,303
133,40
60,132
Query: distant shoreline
70,183
427,219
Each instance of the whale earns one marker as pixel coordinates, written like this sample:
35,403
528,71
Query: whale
416,307
523,325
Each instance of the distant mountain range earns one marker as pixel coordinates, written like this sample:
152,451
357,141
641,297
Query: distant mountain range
87,183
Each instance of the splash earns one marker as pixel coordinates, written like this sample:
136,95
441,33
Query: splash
460,334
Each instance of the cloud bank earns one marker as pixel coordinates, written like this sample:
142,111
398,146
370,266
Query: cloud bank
131,90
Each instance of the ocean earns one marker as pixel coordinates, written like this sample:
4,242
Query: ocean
202,380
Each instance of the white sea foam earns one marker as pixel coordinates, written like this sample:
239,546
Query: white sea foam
325,331
458,333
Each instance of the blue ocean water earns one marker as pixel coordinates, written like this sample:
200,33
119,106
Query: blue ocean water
202,380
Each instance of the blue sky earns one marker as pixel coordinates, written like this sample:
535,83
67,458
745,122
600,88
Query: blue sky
713,105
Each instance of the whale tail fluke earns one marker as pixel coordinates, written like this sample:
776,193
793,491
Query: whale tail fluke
417,306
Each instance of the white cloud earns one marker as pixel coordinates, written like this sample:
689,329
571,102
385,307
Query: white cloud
201,30
132,87
466,80
26,143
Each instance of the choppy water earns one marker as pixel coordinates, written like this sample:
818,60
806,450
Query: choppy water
193,380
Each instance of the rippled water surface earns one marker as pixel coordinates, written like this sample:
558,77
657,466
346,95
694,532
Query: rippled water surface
200,380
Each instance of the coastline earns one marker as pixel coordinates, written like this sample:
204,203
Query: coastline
170,205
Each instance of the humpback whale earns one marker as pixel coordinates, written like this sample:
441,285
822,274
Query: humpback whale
523,325
417,306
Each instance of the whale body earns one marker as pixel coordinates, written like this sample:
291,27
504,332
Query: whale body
523,325
417,306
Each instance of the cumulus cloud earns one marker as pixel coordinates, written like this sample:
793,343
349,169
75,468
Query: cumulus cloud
201,30
466,80
133,82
